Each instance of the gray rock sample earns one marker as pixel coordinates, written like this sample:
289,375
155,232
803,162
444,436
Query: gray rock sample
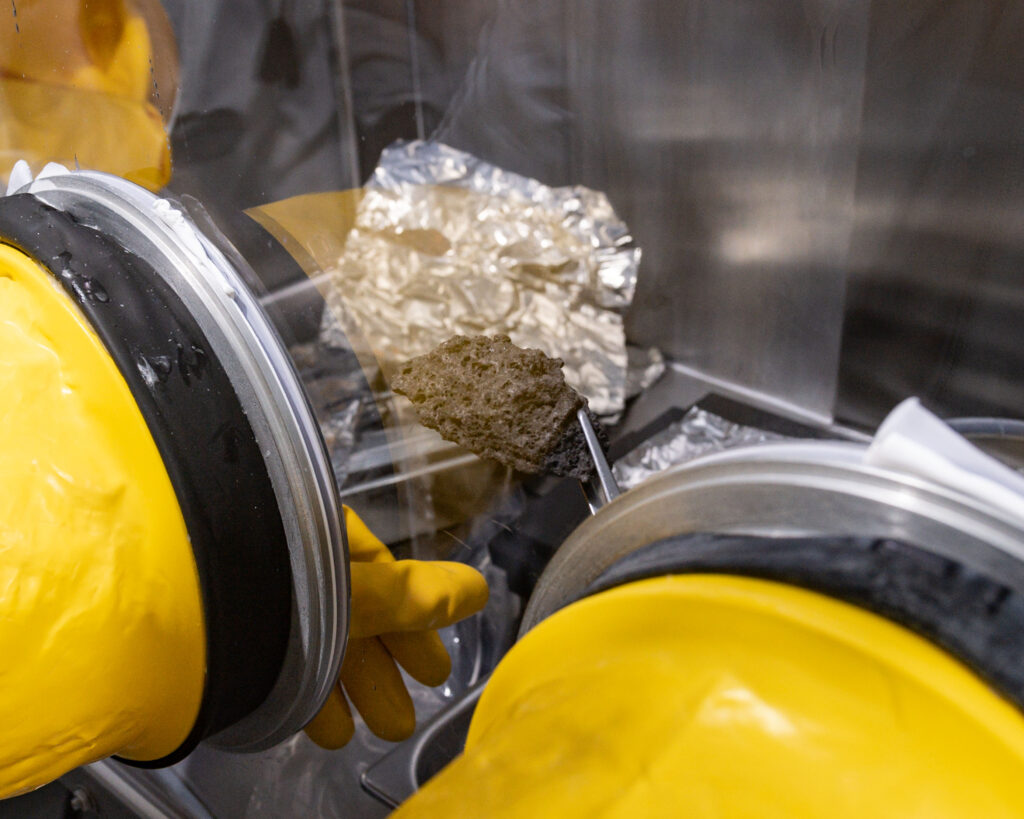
501,402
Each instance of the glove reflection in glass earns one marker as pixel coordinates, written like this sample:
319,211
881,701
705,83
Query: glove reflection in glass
397,606
90,84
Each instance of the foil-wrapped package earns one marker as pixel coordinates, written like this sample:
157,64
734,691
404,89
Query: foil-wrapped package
696,433
445,244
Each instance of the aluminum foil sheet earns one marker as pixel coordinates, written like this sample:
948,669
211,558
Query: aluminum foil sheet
696,433
644,367
444,243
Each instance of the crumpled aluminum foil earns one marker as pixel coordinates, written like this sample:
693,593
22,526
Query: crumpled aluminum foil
444,243
696,433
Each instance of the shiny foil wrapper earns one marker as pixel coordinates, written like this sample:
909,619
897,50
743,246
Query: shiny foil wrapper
445,244
696,433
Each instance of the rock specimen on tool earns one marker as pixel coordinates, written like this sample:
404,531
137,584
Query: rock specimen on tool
501,402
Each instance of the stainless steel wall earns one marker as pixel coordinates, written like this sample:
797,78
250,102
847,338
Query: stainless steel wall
829,193
935,296
728,135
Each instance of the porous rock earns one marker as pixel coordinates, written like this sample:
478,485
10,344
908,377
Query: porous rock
502,402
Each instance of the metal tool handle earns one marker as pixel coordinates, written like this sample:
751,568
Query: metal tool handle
600,488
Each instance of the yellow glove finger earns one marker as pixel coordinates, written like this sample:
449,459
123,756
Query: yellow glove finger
413,595
373,683
333,726
363,545
421,653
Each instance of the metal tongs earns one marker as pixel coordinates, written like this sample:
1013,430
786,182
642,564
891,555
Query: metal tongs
600,488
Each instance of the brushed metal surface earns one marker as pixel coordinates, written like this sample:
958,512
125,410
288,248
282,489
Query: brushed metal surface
725,134
829,194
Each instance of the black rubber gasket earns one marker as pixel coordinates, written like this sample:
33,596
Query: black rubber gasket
207,445
972,616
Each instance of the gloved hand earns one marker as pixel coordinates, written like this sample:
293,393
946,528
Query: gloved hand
397,605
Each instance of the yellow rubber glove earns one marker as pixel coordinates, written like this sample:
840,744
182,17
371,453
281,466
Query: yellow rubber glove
80,85
397,605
